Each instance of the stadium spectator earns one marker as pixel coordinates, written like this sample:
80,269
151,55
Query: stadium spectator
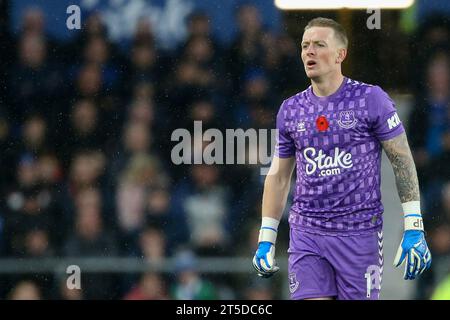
35,82
136,139
189,284
36,244
433,35
258,290
89,83
144,31
7,156
199,25
28,210
203,204
86,170
69,294
90,238
142,172
246,50
432,115
25,290
35,137
84,130
151,286
33,21
93,27
152,243
142,111
144,62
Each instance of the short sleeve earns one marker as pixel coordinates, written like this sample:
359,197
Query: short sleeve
385,122
285,146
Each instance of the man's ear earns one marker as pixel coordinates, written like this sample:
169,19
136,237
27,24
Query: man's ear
342,53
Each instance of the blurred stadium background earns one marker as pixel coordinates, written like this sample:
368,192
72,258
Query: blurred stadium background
85,123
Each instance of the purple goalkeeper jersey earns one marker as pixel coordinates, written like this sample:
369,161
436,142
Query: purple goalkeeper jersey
336,143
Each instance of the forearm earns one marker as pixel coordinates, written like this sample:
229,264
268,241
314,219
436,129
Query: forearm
407,181
405,172
413,247
276,191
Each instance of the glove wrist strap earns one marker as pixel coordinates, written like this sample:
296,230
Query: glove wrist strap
269,230
413,217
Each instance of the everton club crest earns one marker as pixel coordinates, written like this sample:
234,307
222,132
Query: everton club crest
293,283
347,119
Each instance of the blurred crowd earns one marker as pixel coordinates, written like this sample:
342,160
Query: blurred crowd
429,138
85,134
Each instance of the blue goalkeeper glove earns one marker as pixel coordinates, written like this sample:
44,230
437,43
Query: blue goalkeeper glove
264,259
413,249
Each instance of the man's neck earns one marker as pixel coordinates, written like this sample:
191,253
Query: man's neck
328,86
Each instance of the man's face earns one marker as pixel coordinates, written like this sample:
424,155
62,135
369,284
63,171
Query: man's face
320,52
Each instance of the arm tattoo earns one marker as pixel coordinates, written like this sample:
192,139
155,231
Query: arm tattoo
398,152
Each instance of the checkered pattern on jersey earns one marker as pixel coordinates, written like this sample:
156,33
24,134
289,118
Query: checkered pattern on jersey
349,200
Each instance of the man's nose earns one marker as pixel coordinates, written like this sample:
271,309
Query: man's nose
310,50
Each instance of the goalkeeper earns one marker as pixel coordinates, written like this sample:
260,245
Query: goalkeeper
334,132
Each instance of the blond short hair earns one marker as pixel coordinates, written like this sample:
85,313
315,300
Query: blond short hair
339,31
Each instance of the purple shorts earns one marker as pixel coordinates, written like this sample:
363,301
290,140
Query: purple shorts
343,267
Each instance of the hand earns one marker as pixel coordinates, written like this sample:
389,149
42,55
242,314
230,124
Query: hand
414,249
264,260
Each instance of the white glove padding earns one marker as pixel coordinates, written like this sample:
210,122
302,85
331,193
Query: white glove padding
264,260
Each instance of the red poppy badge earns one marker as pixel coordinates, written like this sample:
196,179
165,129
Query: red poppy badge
322,123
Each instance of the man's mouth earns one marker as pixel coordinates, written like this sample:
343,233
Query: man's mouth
311,63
